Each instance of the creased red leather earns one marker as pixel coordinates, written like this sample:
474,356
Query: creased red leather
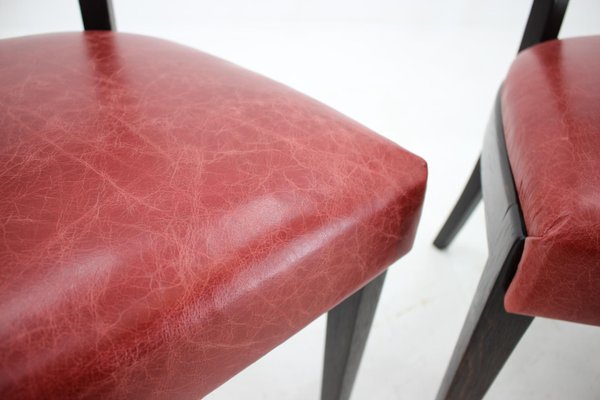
168,217
551,115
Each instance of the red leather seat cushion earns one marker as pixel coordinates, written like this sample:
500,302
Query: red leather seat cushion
551,115
168,217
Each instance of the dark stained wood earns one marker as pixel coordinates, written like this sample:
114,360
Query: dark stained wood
544,22
490,334
97,15
470,197
348,327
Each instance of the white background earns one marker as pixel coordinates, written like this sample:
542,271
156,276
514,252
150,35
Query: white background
423,73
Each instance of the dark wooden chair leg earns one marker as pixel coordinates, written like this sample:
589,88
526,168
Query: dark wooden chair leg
470,197
348,327
489,334
97,15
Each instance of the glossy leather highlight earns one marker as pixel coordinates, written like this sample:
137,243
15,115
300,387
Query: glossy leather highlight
168,217
551,115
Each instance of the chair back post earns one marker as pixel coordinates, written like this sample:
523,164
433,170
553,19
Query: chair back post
97,15
544,22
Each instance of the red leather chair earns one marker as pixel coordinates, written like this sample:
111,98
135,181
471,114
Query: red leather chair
168,218
540,177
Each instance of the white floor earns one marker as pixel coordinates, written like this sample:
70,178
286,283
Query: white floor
425,75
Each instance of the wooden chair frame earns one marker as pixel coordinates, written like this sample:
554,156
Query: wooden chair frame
490,334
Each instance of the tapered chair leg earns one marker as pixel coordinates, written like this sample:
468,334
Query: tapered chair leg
470,197
348,327
489,334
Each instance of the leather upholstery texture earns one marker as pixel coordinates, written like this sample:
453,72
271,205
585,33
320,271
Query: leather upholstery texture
168,217
551,116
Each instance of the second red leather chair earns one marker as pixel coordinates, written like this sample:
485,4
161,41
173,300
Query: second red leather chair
539,174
